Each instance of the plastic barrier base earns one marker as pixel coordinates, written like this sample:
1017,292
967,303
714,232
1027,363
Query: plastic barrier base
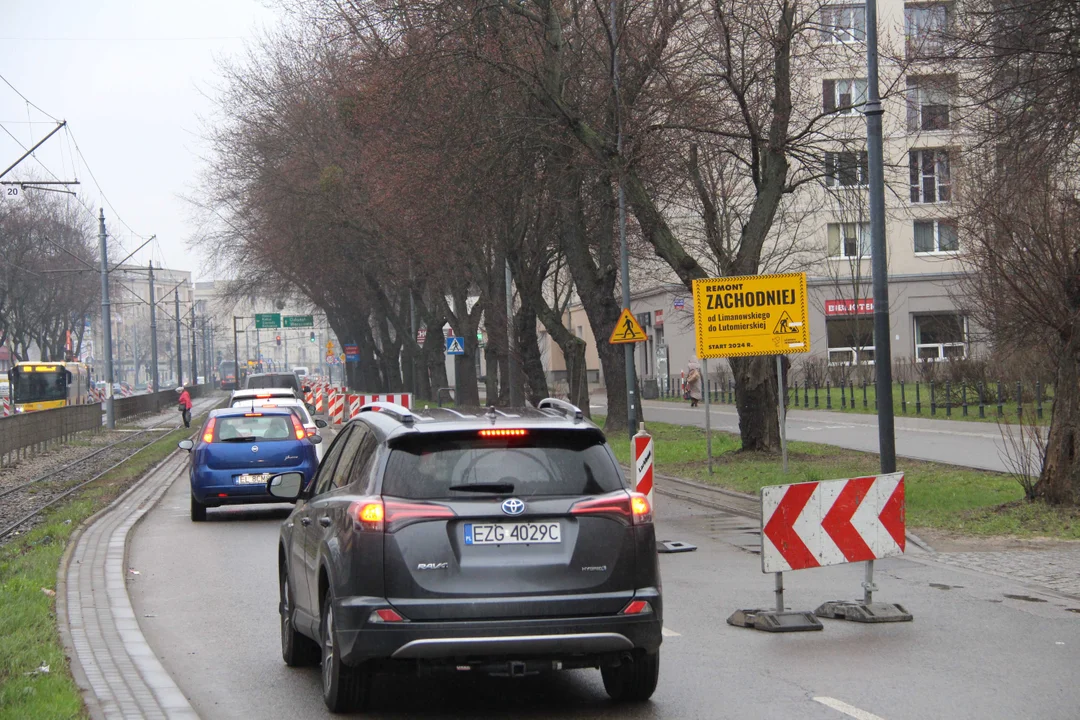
861,612
776,622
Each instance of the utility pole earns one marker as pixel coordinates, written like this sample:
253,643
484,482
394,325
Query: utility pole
106,323
235,355
512,375
631,372
194,349
179,350
879,264
153,332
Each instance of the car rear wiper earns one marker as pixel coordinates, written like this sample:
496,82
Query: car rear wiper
494,487
247,438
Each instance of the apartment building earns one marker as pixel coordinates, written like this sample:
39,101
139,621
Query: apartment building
921,145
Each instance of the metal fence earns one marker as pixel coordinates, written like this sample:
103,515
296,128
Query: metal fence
26,434
154,402
29,433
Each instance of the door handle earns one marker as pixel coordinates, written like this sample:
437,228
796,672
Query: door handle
305,521
325,521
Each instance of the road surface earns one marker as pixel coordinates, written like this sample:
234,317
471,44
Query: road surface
971,444
206,599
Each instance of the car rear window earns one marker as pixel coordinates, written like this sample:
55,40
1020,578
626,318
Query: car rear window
272,381
262,427
540,463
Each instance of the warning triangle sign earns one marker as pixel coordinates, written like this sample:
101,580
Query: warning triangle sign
627,330
785,325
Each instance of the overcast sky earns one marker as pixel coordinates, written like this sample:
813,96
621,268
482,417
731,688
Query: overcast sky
131,78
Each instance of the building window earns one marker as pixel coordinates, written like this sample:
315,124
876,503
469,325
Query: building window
843,97
928,101
851,340
849,240
843,23
936,236
940,337
846,169
930,179
924,28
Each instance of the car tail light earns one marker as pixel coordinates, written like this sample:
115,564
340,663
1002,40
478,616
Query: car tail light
628,508
387,515
310,432
298,427
385,615
636,607
208,433
641,509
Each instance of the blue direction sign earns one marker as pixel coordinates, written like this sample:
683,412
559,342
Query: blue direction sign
352,353
455,345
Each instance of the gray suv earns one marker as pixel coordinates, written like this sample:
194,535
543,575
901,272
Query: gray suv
503,541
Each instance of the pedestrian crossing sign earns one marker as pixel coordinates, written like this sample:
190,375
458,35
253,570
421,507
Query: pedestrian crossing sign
455,345
627,330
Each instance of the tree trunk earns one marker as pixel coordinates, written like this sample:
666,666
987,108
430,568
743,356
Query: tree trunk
755,399
532,365
1059,482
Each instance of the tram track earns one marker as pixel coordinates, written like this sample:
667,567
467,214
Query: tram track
23,503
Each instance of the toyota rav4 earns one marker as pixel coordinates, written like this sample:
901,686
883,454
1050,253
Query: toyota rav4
504,542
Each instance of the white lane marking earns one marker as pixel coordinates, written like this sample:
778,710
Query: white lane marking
849,710
669,633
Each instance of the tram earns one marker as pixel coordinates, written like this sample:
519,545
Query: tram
45,385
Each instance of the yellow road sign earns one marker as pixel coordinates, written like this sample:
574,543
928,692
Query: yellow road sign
330,345
627,330
751,315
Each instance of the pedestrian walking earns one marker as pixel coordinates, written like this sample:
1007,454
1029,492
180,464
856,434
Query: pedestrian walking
184,405
693,383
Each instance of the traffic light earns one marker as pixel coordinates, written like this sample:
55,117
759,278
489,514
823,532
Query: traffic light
279,340
312,336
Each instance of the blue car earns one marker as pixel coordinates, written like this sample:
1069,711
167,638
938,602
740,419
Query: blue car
237,451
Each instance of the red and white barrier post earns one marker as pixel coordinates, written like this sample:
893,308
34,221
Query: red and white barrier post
6,407
815,524
354,406
337,407
643,463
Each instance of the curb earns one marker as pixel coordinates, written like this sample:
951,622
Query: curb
62,618
174,705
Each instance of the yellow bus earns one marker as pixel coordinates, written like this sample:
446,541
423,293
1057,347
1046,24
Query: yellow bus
45,385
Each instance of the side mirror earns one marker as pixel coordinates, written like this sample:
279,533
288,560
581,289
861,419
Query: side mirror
315,439
185,445
320,423
286,486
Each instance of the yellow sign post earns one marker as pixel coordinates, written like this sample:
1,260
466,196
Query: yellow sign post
751,315
627,330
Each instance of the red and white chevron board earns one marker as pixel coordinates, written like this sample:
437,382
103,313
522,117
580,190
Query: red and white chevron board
814,524
320,402
643,464
6,407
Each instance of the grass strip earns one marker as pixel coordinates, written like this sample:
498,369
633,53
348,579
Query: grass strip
939,496
28,635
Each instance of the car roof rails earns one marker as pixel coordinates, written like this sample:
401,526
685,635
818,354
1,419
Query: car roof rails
398,412
567,409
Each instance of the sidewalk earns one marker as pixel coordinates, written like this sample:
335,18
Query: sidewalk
112,663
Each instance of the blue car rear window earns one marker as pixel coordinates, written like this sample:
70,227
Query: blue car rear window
264,427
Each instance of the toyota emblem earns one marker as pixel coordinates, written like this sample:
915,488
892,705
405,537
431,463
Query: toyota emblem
513,506
254,448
